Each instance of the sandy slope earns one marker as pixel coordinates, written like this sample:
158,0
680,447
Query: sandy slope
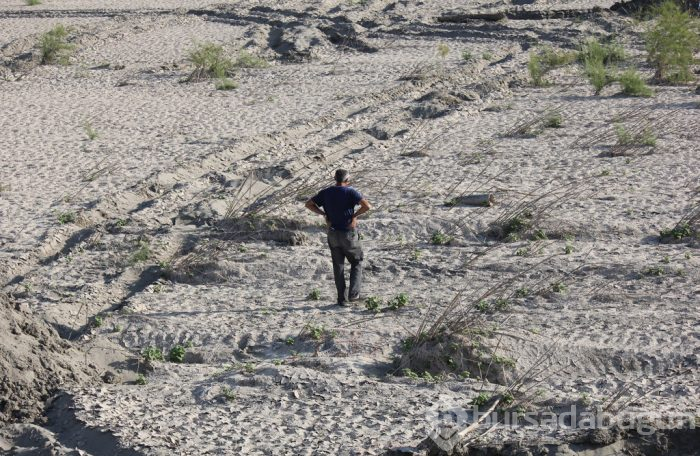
267,370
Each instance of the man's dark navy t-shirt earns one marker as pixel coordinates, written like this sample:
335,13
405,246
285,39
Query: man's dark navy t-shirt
339,203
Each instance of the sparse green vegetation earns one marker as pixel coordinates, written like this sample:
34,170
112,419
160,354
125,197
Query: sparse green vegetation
536,70
558,287
657,271
553,120
410,374
633,85
646,137
97,321
440,238
33,2
443,50
467,56
227,394
672,42
226,84
481,400
597,74
247,60
209,61
539,63
593,51
373,304
90,131
143,251
318,332
398,301
66,217
314,295
680,231
54,47
487,56
152,354
177,354
141,379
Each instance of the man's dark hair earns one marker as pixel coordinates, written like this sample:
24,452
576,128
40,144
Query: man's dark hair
341,175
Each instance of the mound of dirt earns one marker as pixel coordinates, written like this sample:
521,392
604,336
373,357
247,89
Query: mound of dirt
34,362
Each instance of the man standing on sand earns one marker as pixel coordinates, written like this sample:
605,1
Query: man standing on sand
337,204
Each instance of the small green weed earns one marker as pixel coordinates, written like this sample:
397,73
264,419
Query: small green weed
481,400
373,304
209,61
440,238
633,85
177,354
143,252
398,301
558,287
54,47
90,132
141,380
314,295
152,354
66,217
247,60
680,231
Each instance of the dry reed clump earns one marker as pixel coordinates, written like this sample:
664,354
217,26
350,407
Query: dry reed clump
467,355
529,218
534,125
263,228
687,229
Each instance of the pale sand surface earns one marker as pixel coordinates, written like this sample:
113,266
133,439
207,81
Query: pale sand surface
173,159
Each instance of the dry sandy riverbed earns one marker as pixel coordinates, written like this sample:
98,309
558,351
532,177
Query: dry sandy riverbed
188,228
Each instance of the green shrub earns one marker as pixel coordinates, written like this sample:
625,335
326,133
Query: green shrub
152,354
373,304
33,2
247,60
314,295
141,379
536,70
670,44
177,354
678,232
633,85
439,238
467,56
143,252
209,61
398,301
597,74
54,47
553,58
593,50
66,217
553,120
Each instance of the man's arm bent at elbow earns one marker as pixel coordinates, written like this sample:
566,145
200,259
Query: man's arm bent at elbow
364,207
313,207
